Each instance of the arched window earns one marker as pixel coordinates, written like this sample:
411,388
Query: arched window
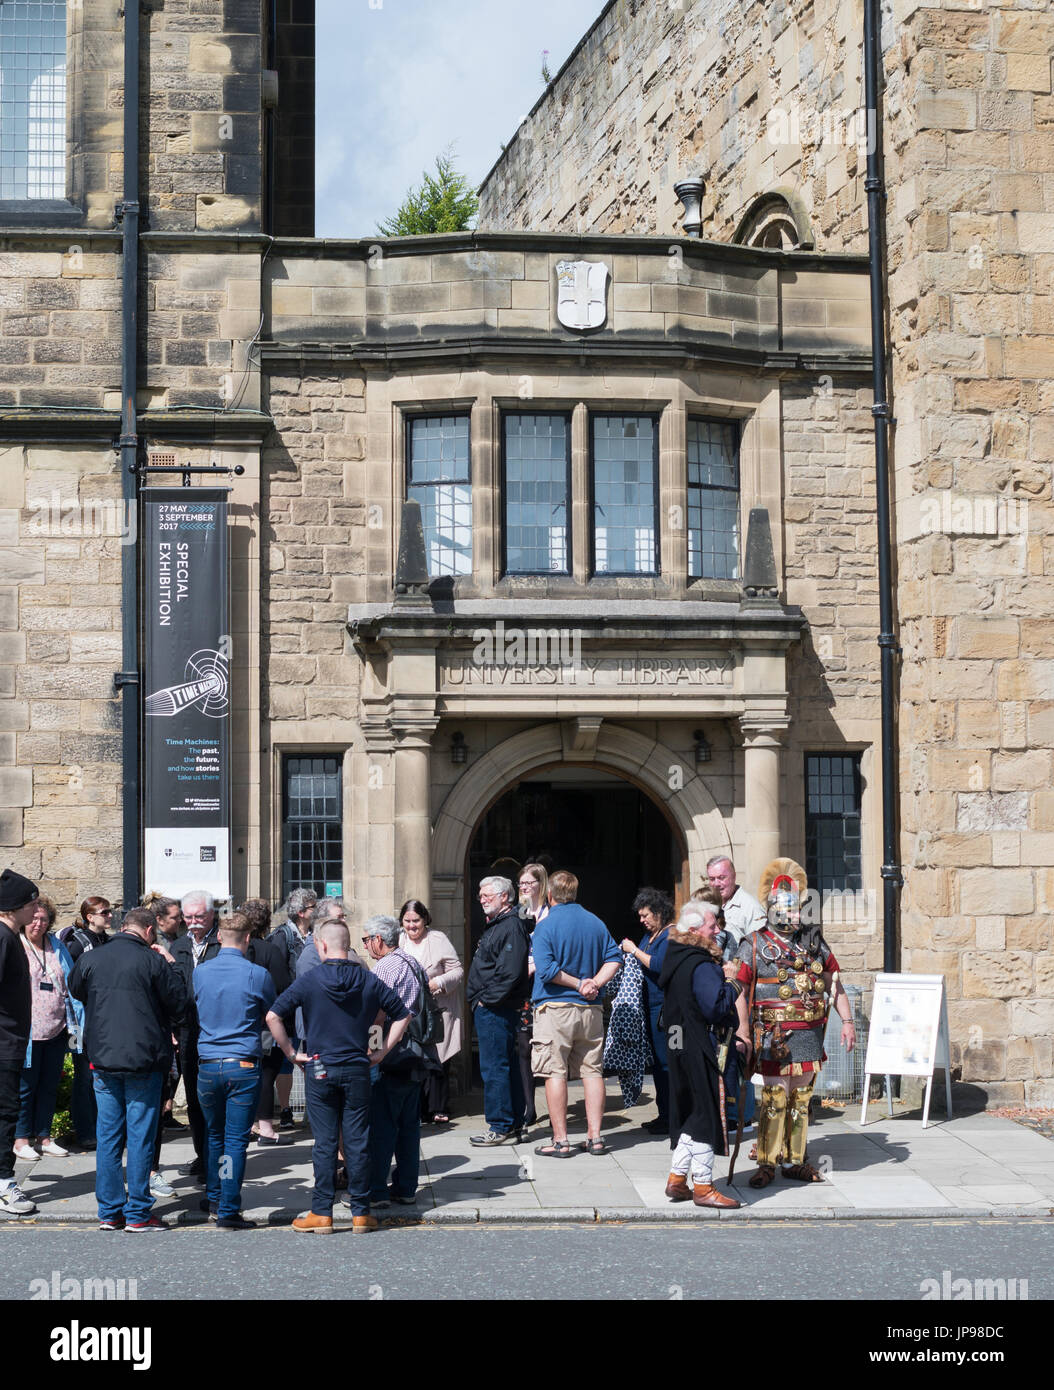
32,99
776,221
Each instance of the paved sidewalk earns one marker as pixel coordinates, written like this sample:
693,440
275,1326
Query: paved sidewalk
976,1165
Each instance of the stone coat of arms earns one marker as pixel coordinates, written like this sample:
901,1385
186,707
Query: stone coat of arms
582,299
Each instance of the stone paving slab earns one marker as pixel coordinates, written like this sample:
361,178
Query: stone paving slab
975,1165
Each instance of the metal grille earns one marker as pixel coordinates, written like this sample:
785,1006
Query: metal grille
842,1077
537,483
713,500
32,99
439,480
312,829
625,494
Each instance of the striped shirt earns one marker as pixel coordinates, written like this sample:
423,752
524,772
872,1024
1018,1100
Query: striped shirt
396,971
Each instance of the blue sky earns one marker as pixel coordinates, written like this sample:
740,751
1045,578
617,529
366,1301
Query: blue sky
399,80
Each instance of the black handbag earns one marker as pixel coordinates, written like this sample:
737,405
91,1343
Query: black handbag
415,1051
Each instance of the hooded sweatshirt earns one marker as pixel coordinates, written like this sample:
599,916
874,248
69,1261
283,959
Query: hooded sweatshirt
340,1002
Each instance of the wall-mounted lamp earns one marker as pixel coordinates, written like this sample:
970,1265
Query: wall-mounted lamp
702,748
458,748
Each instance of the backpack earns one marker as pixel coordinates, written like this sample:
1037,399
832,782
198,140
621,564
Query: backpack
295,943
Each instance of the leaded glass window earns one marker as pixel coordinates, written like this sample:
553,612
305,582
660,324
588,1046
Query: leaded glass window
537,493
713,500
438,478
625,462
312,824
832,822
32,99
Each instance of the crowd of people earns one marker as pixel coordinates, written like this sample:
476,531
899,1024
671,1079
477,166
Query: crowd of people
231,1007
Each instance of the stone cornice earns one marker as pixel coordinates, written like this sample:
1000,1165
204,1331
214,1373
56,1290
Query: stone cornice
632,621
672,352
567,243
56,426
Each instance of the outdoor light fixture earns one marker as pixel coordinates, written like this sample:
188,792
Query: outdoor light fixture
702,748
458,748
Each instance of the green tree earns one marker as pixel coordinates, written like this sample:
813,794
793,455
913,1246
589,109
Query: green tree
445,202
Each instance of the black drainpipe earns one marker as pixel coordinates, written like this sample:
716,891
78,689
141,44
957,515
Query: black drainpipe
888,646
127,680
271,117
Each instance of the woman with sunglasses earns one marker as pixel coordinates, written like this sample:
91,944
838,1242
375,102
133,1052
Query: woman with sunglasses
88,932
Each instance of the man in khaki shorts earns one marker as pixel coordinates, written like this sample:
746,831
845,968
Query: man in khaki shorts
574,958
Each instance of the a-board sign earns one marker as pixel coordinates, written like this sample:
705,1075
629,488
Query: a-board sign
905,1022
908,1034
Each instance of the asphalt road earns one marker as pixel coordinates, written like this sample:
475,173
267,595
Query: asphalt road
841,1260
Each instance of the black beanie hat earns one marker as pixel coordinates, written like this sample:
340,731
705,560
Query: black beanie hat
16,891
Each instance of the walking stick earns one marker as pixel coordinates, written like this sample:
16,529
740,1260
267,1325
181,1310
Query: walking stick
740,1104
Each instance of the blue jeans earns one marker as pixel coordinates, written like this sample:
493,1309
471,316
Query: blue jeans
129,1103
499,1066
40,1086
340,1105
228,1092
395,1131
660,1071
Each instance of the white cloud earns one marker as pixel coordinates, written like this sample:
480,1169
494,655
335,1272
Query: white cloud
399,81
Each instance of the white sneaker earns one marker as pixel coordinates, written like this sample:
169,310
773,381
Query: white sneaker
14,1200
48,1146
25,1153
160,1186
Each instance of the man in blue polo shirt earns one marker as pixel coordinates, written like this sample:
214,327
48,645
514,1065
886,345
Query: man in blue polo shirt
574,958
232,996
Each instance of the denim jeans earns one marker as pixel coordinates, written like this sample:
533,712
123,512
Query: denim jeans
395,1132
340,1105
83,1109
40,1086
129,1102
228,1092
499,1066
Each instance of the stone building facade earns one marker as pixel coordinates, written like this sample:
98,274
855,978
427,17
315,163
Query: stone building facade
682,709
764,101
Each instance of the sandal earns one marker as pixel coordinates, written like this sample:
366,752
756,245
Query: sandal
555,1150
804,1172
595,1146
766,1173
440,1119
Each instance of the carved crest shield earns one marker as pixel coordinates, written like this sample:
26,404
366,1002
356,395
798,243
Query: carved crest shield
582,299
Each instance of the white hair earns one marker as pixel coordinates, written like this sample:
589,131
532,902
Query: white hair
198,895
500,885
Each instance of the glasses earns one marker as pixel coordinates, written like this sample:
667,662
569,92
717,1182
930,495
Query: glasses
103,912
527,883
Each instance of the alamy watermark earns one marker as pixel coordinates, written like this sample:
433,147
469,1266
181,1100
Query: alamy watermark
68,1288
61,518
986,1290
946,514
528,646
795,124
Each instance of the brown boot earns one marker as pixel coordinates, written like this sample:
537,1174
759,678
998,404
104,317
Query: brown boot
361,1224
322,1225
709,1196
677,1188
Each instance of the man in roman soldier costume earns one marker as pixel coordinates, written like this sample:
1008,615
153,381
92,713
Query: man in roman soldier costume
790,981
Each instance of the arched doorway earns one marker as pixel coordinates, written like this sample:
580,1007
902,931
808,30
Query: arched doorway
598,824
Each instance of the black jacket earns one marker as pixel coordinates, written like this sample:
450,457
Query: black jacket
16,1004
182,952
498,974
273,960
133,999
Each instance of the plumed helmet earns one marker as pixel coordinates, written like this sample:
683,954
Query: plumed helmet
782,875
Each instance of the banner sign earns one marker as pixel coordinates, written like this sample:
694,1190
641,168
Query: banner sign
186,720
